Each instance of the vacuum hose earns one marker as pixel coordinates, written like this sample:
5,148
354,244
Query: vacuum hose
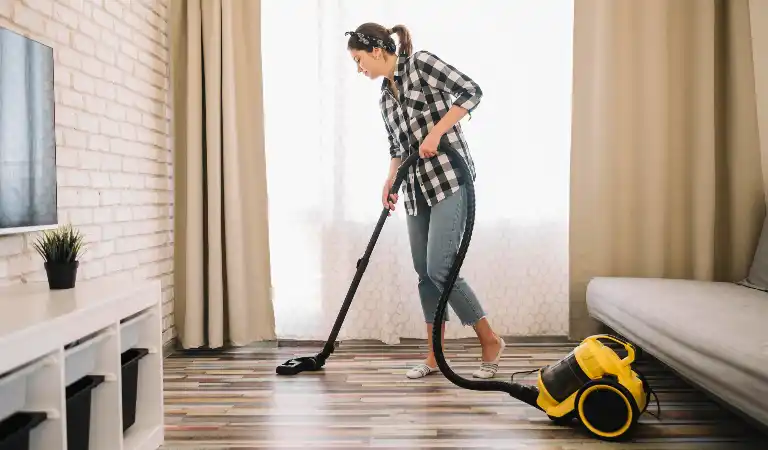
524,393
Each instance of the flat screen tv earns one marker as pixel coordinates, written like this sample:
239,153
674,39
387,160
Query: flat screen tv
28,199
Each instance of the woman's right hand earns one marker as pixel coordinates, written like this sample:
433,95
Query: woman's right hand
385,192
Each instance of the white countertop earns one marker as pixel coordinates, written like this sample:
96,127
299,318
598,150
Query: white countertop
37,320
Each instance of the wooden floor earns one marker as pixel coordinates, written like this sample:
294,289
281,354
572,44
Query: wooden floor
234,399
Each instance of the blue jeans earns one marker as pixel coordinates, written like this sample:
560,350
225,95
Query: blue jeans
435,235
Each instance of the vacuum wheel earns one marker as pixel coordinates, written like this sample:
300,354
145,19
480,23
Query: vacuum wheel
607,409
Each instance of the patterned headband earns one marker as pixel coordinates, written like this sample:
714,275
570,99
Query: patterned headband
372,42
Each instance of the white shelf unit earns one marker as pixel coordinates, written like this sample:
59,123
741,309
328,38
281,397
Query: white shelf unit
50,339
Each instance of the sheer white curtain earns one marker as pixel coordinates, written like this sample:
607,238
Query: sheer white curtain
328,156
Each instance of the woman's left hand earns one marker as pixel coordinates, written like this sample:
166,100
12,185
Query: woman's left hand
428,147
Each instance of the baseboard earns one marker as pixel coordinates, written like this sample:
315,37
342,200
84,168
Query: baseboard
173,346
302,343
515,340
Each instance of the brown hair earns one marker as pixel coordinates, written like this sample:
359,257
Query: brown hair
385,34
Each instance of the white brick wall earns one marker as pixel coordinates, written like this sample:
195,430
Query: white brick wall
112,128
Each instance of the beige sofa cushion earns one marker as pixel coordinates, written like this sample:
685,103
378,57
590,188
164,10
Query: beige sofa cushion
714,334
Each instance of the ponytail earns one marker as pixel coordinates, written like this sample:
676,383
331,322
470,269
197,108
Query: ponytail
404,37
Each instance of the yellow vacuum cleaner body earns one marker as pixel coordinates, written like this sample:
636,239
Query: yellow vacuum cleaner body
595,385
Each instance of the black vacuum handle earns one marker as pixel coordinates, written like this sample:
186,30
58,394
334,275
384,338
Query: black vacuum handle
410,160
402,170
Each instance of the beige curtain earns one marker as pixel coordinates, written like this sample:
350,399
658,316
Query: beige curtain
758,15
222,274
666,174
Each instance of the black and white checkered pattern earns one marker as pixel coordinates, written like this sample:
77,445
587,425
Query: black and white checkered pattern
425,84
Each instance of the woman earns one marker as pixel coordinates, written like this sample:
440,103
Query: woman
417,111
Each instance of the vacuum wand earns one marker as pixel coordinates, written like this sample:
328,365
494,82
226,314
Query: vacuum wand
312,363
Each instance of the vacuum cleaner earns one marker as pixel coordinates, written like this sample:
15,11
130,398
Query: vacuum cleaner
591,384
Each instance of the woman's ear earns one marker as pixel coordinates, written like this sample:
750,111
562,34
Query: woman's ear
377,53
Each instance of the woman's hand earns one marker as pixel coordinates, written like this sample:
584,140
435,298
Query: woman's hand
428,147
385,192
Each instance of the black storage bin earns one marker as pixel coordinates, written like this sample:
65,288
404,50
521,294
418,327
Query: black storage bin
15,429
79,396
130,361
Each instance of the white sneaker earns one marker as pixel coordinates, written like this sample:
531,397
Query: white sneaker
420,371
489,369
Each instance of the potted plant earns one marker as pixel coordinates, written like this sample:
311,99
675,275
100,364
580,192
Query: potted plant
61,250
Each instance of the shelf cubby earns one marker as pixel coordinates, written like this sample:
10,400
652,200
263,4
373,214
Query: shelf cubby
74,341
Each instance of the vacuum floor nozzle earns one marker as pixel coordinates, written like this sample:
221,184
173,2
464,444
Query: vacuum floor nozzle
301,364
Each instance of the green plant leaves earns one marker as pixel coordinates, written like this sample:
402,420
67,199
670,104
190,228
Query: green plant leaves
60,246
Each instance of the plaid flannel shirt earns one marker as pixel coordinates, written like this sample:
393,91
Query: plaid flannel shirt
425,84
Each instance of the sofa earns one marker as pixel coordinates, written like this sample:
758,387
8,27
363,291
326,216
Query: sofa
713,334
